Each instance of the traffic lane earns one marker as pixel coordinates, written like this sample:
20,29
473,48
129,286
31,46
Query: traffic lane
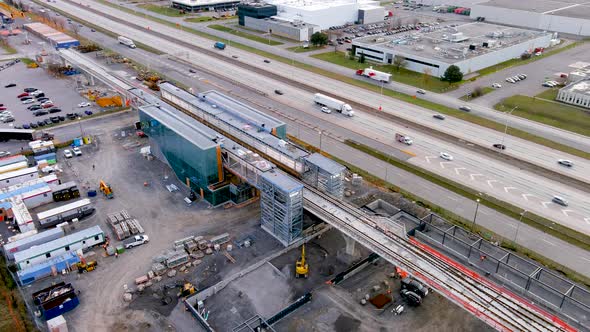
409,114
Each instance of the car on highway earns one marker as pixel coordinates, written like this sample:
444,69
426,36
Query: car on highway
29,89
68,154
84,104
77,151
421,91
496,85
446,156
465,108
92,30
439,116
28,101
565,162
10,85
500,146
279,92
559,200
4,154
266,61
326,110
190,70
234,56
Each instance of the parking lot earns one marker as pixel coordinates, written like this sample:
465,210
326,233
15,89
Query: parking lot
63,92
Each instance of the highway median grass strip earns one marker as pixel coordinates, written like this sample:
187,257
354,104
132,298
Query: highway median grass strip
375,88
569,235
552,113
163,10
301,49
245,35
452,217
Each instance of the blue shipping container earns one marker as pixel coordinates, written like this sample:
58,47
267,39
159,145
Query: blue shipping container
67,305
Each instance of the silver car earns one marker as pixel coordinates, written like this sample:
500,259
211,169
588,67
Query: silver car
560,200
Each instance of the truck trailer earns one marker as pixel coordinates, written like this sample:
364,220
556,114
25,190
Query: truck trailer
126,41
374,74
333,103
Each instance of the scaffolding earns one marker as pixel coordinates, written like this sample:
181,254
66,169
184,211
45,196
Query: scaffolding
281,205
324,174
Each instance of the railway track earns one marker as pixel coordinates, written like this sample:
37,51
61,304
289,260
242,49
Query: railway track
494,305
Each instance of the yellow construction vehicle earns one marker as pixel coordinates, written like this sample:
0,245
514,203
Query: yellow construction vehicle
86,267
301,267
186,290
106,189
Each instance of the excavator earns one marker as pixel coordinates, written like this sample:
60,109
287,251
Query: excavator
106,189
301,267
186,289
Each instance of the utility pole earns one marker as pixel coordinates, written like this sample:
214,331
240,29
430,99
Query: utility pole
475,216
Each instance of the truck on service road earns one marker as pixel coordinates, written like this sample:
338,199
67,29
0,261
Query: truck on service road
374,74
403,139
126,41
332,103
219,45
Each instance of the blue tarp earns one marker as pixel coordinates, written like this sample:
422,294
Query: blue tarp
48,156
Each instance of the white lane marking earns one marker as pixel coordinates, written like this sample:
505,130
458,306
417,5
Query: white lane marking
472,176
551,243
506,189
442,163
586,259
428,158
545,204
525,196
490,182
566,212
587,220
459,168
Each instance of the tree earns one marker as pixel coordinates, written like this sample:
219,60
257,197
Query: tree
75,29
399,62
477,92
525,56
453,74
319,39
351,54
362,58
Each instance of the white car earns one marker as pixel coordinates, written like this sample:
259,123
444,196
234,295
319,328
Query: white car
446,156
560,200
496,85
28,101
35,93
77,151
84,104
4,154
68,154
47,102
565,162
421,91
326,110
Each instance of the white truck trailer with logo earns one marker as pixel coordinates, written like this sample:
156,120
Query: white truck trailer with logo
374,74
126,41
333,103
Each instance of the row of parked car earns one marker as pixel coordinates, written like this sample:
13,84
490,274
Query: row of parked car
550,84
516,78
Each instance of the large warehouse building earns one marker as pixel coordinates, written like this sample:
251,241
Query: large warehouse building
201,5
471,47
565,16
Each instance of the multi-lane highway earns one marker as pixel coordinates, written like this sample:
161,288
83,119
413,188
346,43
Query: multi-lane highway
491,177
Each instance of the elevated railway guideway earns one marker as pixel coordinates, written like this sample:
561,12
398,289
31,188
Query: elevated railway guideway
492,304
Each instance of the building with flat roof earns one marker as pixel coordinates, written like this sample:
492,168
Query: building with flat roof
296,30
56,38
577,93
471,46
201,5
566,16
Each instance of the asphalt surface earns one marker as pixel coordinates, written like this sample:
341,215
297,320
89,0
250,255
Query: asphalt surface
529,237
538,71
490,177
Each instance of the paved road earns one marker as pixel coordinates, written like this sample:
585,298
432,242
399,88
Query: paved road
501,180
307,126
480,107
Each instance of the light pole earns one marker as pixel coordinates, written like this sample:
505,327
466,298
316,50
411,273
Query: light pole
518,225
506,125
80,123
475,215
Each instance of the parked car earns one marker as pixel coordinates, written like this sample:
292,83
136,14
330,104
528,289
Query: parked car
28,101
2,108
33,125
41,123
565,162
34,107
560,200
135,241
26,98
279,92
40,112
29,89
465,108
54,119
496,85
26,126
54,110
84,104
24,94
61,118
266,61
11,85
40,96
36,93
446,156
68,154
88,112
47,105
500,146
77,151
8,119
42,99
4,154
72,116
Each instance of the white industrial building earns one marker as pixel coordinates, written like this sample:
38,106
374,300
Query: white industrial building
201,5
296,30
328,13
577,93
471,47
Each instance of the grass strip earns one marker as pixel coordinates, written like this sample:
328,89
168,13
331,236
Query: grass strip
454,218
244,35
13,311
368,86
569,235
27,61
162,10
484,91
7,48
198,19
549,112
301,49
549,94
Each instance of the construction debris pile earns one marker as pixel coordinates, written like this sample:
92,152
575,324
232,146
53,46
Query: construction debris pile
123,225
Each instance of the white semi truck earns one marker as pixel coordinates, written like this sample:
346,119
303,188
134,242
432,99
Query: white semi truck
334,104
374,74
126,41
403,139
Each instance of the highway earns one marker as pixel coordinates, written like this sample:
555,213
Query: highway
502,181
568,138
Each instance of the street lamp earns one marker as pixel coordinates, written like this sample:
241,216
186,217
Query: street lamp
506,125
475,216
518,225
80,123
